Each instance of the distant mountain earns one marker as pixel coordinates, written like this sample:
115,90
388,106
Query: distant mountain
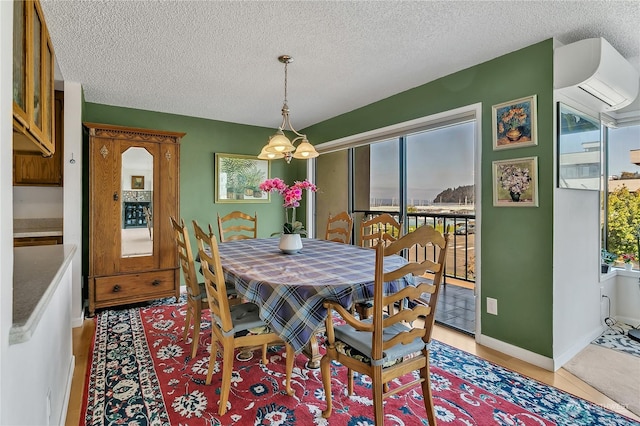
459,195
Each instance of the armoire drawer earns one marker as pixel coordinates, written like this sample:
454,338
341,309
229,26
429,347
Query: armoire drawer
133,285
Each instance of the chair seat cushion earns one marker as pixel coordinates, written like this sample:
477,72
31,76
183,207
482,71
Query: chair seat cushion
246,320
357,344
231,292
202,293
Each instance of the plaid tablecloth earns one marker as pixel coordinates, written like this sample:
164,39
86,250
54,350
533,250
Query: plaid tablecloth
291,288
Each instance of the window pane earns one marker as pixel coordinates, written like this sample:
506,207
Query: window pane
440,165
37,70
377,166
19,55
578,150
440,190
623,207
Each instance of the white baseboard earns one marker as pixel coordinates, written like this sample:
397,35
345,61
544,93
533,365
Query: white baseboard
577,347
628,320
517,352
77,322
67,393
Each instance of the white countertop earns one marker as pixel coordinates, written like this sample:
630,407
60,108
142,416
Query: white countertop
37,271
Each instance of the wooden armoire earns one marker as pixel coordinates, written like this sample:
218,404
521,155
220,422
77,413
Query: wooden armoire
132,257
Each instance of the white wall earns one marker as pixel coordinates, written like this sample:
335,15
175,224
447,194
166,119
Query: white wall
34,202
42,367
625,300
72,223
577,313
6,193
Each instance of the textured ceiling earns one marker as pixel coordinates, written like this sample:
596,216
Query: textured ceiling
218,59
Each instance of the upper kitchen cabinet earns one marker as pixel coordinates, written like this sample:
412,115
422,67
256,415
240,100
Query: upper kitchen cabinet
36,170
33,73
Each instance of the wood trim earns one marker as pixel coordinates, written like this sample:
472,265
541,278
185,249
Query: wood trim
135,133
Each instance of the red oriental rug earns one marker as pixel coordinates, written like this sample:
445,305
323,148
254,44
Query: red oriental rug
142,374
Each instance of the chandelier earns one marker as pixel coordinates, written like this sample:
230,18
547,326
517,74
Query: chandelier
279,145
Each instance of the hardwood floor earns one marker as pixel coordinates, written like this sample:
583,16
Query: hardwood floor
562,379
82,338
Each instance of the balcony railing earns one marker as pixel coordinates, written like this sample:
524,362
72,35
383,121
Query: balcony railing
461,252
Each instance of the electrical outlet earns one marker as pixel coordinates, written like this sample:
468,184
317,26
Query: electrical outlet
492,306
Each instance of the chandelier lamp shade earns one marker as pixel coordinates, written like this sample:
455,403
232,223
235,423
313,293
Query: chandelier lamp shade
279,145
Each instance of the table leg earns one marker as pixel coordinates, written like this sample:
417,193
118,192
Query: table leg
311,350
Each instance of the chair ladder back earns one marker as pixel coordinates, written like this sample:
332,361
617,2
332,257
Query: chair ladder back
378,304
244,226
383,226
213,277
434,288
186,256
422,237
339,228
427,236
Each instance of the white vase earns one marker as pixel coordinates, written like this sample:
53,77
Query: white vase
628,266
290,243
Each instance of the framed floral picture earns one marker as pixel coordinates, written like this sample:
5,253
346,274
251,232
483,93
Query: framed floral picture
515,182
238,179
514,123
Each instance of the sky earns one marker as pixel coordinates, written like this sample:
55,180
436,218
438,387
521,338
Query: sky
436,160
621,141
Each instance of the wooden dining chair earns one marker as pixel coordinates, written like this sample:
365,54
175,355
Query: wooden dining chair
237,226
232,326
339,228
148,218
383,227
393,345
196,294
370,230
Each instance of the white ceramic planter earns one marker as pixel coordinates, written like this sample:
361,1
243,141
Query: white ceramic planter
290,243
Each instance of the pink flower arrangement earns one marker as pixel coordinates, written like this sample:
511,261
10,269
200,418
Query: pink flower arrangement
291,196
628,257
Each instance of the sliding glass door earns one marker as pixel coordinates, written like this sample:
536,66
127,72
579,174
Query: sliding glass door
426,176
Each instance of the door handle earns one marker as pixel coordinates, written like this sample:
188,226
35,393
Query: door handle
115,196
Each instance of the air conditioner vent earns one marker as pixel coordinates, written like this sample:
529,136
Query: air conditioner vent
594,74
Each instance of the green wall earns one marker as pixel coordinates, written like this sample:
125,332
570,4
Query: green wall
517,243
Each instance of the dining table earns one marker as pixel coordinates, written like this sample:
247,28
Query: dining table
290,289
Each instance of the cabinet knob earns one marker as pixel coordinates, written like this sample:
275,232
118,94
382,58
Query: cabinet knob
155,283
116,288
115,196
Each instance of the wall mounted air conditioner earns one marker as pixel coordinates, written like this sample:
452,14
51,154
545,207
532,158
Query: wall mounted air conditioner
594,74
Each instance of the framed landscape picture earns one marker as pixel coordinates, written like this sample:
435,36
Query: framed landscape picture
238,178
515,182
514,123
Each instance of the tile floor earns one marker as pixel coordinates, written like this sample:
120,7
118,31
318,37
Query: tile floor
457,308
